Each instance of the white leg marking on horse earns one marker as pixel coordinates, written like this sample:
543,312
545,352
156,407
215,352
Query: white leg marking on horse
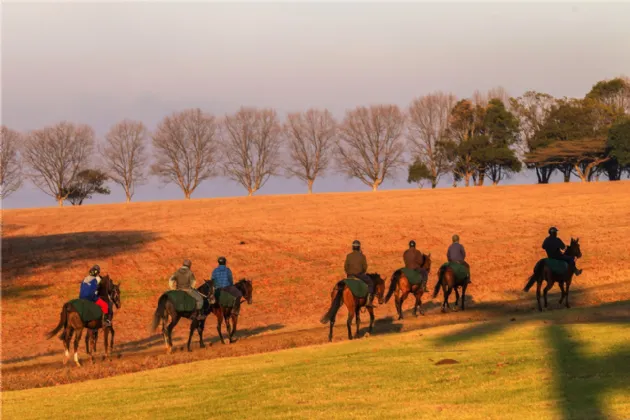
76,357
67,353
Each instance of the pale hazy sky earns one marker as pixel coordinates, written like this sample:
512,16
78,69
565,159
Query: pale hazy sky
97,63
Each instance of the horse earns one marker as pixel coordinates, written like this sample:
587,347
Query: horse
542,272
246,288
449,282
342,294
166,308
400,284
71,322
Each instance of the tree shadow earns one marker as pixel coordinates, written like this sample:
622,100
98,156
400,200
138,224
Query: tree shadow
23,254
385,325
22,292
582,380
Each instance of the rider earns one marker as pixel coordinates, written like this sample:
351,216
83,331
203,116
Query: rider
356,266
457,254
413,260
223,280
184,279
554,246
89,291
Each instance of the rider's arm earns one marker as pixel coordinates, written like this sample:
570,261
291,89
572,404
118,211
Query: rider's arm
230,277
193,280
172,282
365,266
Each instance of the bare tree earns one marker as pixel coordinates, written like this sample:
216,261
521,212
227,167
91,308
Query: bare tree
428,123
369,145
185,147
125,154
10,170
56,154
499,92
310,138
252,146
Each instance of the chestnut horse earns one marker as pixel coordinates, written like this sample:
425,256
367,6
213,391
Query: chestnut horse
542,272
450,282
71,322
246,288
342,294
400,284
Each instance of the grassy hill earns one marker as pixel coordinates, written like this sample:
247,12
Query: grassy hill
542,368
293,247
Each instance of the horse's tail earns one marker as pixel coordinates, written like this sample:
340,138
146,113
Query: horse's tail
440,274
63,320
159,312
393,284
538,273
335,305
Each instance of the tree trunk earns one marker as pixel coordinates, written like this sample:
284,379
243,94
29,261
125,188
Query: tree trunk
467,180
128,196
433,183
310,185
495,182
187,195
482,177
60,201
250,192
376,184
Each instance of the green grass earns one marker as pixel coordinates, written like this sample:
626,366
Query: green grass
506,370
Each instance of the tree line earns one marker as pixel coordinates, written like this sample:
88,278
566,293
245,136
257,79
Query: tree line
485,138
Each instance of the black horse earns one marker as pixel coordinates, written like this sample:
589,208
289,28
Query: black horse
246,288
166,308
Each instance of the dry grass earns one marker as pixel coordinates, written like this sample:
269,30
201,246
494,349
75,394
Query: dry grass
294,247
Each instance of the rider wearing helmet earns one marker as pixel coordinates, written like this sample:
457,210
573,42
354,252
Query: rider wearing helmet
457,254
356,266
89,291
223,280
413,260
554,247
184,279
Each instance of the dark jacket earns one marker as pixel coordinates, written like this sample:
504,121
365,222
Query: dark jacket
413,259
456,253
553,245
89,290
183,279
356,263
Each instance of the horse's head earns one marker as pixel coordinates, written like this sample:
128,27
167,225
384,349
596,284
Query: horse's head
426,264
111,290
207,289
247,289
379,286
573,250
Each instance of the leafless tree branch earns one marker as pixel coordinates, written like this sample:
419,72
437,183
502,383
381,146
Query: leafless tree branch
125,154
369,145
251,147
10,170
56,154
185,147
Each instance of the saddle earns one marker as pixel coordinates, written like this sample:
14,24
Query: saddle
87,310
183,301
557,267
357,286
415,277
224,299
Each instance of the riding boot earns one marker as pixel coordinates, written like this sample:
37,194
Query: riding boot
201,314
576,271
370,298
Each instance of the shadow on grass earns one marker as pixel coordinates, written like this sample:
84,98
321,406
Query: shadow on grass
23,254
581,380
25,292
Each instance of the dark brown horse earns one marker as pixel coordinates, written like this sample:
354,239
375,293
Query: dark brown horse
400,284
246,288
342,294
71,322
449,282
166,309
543,273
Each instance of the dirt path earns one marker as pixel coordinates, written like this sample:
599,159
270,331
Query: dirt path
48,370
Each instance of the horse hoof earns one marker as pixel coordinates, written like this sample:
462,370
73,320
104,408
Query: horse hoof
366,335
568,306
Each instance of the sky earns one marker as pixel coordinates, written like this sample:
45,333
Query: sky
98,63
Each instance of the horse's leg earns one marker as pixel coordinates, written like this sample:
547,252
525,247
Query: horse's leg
200,328
234,324
108,349
546,289
357,315
566,302
456,296
562,292
228,323
349,323
77,340
538,286
402,299
371,312
193,326
219,321
169,333
93,340
111,342
67,336
447,294
418,304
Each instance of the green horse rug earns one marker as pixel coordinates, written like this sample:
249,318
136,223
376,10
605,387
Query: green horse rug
88,311
415,278
460,270
357,287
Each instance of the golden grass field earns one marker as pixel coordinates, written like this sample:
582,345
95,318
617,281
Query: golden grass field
293,247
